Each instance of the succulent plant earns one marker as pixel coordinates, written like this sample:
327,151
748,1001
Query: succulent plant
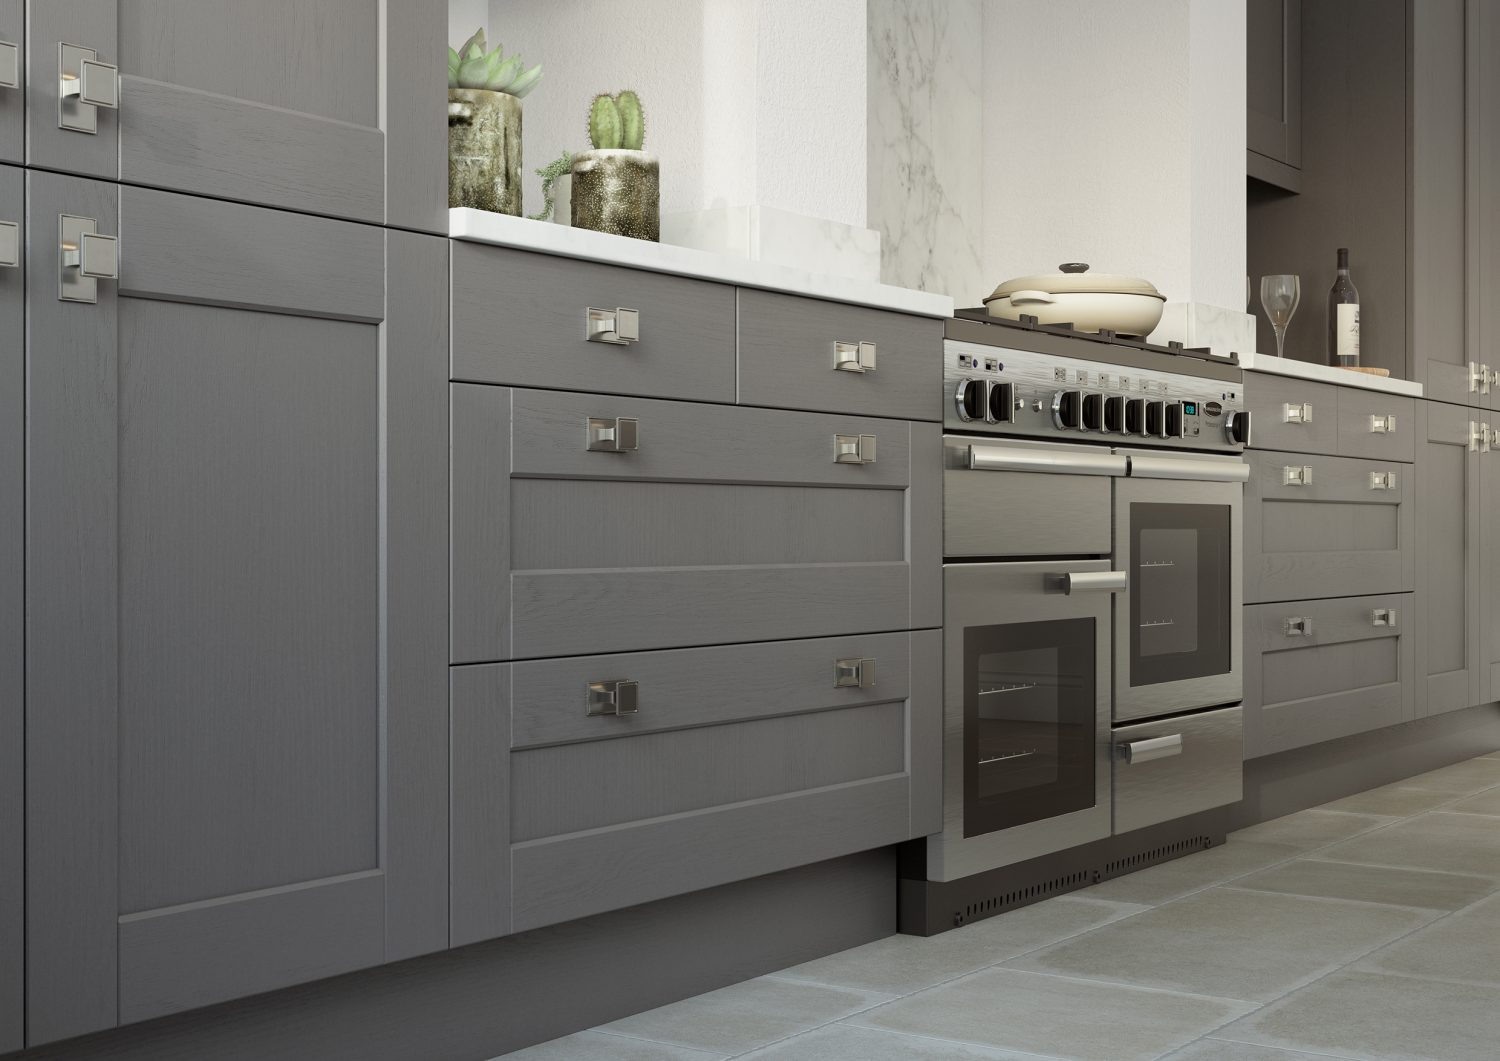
549,173
471,66
617,121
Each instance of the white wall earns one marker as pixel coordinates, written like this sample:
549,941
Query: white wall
748,102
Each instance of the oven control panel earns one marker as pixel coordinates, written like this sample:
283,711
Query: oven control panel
994,390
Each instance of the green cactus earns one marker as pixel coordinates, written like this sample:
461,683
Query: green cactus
632,120
471,66
604,123
617,121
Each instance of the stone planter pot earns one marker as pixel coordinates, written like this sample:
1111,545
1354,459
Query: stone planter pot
617,191
484,150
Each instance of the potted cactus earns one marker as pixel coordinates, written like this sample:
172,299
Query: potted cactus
484,126
616,186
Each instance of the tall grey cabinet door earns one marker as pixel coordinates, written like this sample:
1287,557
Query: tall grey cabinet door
330,107
1448,563
1488,461
12,85
12,613
1483,114
1436,328
236,557
1274,85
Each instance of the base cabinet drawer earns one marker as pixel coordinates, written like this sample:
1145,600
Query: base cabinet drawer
1177,766
525,319
1320,526
721,525
1292,414
1319,670
729,762
804,353
1377,425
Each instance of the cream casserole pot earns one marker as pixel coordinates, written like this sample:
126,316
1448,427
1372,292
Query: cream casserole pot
1089,301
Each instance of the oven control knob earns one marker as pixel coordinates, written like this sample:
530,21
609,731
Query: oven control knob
1135,416
1002,403
1067,410
1114,414
1237,428
1156,419
1174,420
1093,412
969,397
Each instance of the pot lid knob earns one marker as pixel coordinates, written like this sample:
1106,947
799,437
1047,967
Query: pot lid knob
1074,267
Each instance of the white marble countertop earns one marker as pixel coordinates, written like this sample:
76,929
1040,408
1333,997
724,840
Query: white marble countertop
1287,366
480,226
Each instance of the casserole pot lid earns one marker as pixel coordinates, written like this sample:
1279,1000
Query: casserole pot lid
1074,276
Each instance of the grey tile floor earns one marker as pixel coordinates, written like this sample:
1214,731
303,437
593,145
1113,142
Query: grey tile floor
1366,929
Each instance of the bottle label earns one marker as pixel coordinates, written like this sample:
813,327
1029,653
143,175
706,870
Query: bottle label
1346,331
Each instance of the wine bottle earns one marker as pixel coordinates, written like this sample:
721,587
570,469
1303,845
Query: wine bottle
1343,317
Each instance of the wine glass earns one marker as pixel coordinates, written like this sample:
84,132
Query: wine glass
1279,296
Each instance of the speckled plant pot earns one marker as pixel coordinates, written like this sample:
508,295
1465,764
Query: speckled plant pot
484,150
617,191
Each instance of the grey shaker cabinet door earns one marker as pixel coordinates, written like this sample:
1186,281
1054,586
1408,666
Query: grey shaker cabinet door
236,709
1488,594
1274,90
787,357
726,525
1483,200
1295,415
1321,669
1448,529
558,815
325,106
13,100
1438,242
1319,526
12,621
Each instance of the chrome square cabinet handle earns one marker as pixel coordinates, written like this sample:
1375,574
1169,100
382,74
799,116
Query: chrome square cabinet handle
84,257
10,65
613,434
1297,626
84,84
620,326
854,449
854,673
854,356
1298,413
10,244
618,696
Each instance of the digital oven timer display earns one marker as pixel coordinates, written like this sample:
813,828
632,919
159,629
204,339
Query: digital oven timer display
1191,408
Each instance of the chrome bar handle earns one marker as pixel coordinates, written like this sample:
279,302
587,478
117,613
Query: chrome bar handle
1227,470
1143,751
1087,582
1014,459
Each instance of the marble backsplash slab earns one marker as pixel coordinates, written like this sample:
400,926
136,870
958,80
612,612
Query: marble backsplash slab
778,237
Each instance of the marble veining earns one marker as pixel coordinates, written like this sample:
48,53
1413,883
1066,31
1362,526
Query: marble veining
780,237
924,124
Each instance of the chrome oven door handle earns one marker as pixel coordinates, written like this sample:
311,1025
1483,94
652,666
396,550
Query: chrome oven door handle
1088,581
1064,462
1143,751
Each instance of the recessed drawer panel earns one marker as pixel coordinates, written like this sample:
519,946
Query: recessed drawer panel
1372,424
705,686
523,318
722,525
1292,414
1319,670
1320,526
804,353
1177,766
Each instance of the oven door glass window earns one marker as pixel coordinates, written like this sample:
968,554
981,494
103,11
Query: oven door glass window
1029,703
1179,592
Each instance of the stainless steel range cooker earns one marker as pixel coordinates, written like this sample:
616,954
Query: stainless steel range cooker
1092,641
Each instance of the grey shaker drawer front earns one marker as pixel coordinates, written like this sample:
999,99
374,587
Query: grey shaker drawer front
1176,766
702,686
1318,526
726,525
1376,425
13,127
787,356
1310,425
1319,670
521,318
550,833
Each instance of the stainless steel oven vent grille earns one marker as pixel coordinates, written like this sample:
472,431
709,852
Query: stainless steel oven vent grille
1022,897
1165,852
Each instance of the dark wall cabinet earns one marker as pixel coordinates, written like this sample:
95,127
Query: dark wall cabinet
236,713
1273,95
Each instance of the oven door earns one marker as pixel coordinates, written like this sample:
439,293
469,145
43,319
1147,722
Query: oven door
1026,698
1177,626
